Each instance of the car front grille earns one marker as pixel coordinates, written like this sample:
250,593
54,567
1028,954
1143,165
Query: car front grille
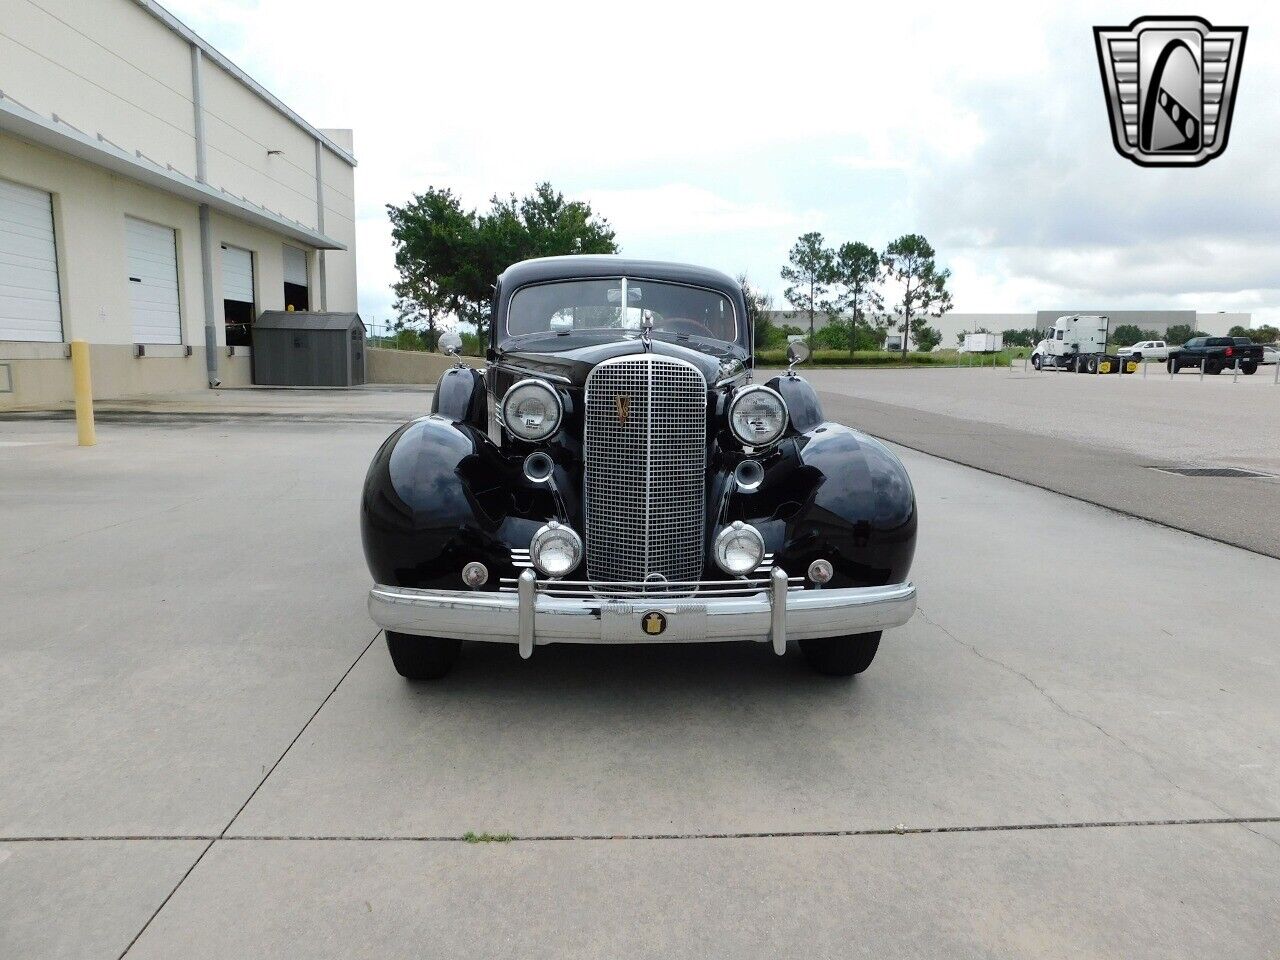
645,463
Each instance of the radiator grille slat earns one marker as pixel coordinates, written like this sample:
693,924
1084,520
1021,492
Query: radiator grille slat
645,473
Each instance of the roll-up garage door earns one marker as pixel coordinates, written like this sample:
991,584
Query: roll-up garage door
295,266
153,282
237,275
30,308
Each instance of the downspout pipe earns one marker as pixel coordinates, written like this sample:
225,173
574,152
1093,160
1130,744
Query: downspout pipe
206,226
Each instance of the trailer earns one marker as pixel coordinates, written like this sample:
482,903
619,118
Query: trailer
1078,343
982,343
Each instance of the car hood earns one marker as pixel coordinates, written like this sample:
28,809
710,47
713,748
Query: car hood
574,359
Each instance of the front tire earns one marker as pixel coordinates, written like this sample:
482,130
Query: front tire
841,656
422,658
1035,360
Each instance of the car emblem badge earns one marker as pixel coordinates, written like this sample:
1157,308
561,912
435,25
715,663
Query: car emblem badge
1170,84
623,404
654,623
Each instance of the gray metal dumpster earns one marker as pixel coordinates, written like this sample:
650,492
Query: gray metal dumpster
300,348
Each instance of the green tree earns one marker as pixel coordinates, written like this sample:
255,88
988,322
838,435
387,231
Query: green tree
1126,335
808,272
1264,334
759,306
912,262
448,257
926,337
1238,331
856,270
1180,333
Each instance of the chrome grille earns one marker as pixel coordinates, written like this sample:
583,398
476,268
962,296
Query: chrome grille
645,472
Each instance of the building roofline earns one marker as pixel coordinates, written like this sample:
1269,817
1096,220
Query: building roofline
61,136
180,28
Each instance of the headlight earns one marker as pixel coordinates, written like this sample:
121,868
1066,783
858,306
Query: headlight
739,549
555,550
757,416
531,410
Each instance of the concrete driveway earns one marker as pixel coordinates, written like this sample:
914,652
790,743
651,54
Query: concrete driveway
1071,750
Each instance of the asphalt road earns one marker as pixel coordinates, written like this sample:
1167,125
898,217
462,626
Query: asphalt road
1069,751
1094,438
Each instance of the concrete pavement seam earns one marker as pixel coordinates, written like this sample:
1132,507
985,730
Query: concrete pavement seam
209,846
741,835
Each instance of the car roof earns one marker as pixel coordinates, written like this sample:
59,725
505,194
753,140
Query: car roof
543,269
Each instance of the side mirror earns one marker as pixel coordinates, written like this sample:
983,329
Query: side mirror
797,351
450,342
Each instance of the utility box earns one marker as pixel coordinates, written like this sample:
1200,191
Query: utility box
298,348
983,342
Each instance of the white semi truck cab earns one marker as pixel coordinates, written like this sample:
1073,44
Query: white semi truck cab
1079,343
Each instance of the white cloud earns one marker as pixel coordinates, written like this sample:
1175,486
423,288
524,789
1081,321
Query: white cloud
721,132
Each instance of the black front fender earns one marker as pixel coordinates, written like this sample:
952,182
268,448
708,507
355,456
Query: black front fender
439,494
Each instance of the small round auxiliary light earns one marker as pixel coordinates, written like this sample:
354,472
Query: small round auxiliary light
820,571
739,549
538,467
475,574
555,550
749,474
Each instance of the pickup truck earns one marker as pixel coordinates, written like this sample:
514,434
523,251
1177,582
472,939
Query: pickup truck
1146,350
1216,354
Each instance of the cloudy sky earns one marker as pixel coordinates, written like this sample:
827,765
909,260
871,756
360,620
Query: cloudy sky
719,133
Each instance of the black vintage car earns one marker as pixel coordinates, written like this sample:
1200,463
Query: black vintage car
616,474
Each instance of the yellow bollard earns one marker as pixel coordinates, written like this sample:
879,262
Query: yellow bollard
84,393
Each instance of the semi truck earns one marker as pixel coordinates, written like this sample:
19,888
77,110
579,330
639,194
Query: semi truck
1079,343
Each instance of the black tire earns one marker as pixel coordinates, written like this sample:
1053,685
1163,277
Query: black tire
1212,368
422,658
1248,369
1091,365
1133,356
841,656
1035,360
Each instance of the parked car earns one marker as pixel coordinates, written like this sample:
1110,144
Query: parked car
1216,354
1146,350
1270,354
616,475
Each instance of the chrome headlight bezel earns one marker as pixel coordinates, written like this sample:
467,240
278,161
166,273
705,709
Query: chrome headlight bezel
738,532
554,531
550,428
760,392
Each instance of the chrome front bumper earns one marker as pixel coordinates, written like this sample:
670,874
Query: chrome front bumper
773,609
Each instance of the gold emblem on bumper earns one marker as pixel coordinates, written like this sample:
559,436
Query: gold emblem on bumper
654,623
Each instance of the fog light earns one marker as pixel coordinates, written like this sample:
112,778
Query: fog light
739,549
820,571
555,549
475,574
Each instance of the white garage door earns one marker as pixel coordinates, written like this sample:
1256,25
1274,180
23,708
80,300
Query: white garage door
153,282
30,308
295,266
237,274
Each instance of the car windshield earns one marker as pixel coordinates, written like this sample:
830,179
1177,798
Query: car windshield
672,308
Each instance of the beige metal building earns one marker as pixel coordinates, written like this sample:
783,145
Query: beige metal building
154,200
